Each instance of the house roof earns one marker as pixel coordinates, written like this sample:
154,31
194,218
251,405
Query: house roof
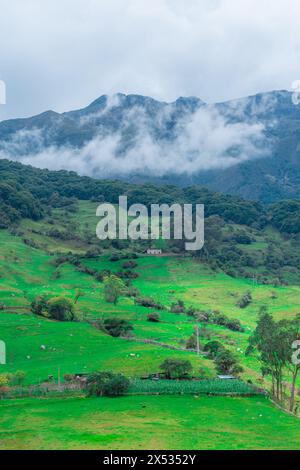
226,377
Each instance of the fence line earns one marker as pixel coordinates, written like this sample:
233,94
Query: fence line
163,345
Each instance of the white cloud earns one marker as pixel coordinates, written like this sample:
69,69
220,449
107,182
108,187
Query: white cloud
61,54
204,140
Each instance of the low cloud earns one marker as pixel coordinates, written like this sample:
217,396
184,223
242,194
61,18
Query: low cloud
203,140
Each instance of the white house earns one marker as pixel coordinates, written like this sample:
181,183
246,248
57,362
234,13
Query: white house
154,251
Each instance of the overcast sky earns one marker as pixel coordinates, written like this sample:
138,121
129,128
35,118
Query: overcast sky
62,54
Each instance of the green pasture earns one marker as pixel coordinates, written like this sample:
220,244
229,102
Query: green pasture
147,422
26,272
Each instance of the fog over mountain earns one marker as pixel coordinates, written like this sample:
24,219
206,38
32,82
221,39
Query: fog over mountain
247,146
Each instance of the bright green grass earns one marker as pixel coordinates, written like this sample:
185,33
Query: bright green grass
27,272
78,348
146,422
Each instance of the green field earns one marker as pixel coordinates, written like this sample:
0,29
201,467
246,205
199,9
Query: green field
78,347
42,347
146,423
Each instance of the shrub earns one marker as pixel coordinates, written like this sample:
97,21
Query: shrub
58,308
178,307
148,302
202,316
245,300
129,265
213,348
176,368
129,274
39,306
115,257
226,362
242,238
191,311
93,252
234,325
153,317
192,342
117,327
132,292
107,384
4,388
17,378
61,309
69,377
113,288
218,318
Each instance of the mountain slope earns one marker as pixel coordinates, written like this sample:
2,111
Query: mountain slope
247,147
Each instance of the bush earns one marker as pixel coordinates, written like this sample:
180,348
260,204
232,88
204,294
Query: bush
148,302
132,292
4,388
192,342
242,238
178,307
129,274
245,300
61,309
234,325
69,377
191,311
218,318
113,288
93,252
226,362
153,317
117,327
17,378
213,348
176,368
39,306
58,308
115,257
107,384
129,265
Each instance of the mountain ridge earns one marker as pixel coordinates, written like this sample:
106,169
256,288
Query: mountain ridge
247,147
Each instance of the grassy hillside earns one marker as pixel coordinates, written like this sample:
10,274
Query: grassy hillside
27,272
37,258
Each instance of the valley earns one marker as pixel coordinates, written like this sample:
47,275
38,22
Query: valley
36,262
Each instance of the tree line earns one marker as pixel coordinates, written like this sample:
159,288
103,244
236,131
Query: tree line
30,192
273,342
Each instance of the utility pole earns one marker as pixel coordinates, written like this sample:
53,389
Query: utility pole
198,342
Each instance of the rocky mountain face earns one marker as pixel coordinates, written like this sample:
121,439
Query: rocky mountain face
247,147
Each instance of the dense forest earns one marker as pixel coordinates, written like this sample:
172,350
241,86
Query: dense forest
242,238
29,192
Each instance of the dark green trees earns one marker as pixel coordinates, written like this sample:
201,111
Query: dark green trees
107,384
